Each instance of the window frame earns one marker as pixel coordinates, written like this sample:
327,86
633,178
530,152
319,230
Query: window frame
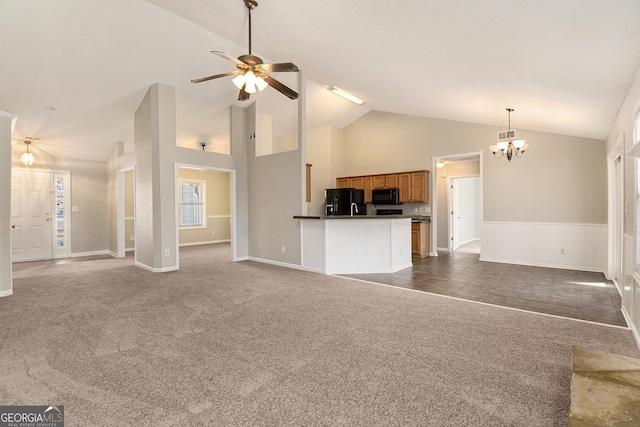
202,203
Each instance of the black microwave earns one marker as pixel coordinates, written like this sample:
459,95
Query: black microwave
385,196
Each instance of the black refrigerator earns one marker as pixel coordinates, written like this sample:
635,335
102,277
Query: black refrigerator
338,201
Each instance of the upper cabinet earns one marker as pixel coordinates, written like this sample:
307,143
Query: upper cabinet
342,182
385,181
414,186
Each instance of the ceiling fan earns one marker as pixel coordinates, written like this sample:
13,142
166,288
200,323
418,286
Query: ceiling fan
251,72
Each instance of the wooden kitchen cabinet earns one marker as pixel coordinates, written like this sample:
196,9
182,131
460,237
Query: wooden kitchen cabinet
342,182
367,183
357,182
414,187
420,239
385,181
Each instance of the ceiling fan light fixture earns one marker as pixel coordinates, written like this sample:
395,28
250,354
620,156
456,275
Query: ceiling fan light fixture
346,95
261,84
238,81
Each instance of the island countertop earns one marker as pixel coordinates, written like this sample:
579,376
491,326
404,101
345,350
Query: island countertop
413,218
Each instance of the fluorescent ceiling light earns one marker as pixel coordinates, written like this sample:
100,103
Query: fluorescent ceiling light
346,95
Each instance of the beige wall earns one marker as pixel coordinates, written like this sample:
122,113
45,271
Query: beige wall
561,179
324,152
89,225
218,207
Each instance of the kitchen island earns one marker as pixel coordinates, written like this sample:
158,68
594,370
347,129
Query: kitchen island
355,244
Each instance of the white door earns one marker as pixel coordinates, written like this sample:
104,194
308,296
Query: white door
455,215
31,215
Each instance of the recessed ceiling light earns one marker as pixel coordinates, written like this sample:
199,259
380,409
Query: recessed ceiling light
346,95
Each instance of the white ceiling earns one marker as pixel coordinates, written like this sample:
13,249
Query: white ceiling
564,65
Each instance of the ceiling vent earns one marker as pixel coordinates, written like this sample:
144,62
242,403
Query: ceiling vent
505,135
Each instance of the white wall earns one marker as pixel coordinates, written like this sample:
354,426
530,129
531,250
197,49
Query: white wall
7,122
622,130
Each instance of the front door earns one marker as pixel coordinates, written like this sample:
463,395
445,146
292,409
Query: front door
31,215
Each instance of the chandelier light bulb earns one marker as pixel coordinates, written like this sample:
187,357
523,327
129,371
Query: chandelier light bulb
518,143
502,145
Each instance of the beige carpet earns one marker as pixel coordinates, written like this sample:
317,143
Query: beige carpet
222,343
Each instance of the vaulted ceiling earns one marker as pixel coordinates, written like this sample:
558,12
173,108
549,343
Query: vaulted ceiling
74,71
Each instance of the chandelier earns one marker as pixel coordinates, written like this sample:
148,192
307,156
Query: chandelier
507,145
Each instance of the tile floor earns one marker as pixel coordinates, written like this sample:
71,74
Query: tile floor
569,293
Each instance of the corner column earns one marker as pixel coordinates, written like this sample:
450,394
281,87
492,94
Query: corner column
155,180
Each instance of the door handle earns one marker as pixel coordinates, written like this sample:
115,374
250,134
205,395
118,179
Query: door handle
13,226
48,219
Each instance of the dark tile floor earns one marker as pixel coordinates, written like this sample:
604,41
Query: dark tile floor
568,293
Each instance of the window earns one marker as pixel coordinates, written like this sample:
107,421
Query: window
193,206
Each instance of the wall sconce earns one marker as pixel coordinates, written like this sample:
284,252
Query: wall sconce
27,158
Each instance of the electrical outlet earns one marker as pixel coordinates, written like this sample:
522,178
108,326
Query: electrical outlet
562,251
283,249
415,209
166,252
213,232
131,238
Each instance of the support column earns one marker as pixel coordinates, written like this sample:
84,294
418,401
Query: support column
7,124
155,180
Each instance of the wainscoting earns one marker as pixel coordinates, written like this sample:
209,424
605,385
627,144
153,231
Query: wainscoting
571,246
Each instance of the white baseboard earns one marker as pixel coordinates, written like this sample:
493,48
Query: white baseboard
112,254
475,239
278,263
156,270
632,327
205,243
91,253
443,249
6,293
535,264
241,258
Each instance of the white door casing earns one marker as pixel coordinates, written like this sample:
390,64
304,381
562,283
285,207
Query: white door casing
31,215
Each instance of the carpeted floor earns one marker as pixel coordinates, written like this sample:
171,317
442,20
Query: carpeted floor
222,343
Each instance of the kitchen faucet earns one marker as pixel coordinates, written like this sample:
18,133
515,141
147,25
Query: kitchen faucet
353,205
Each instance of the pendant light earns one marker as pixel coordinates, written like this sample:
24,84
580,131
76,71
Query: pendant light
27,158
507,145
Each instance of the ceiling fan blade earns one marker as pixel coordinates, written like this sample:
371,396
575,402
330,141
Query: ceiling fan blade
229,58
243,96
280,87
216,76
282,67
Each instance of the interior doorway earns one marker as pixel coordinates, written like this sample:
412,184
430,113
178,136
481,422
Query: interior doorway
615,166
448,232
464,224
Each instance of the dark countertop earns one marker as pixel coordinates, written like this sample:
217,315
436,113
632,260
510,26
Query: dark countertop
361,217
